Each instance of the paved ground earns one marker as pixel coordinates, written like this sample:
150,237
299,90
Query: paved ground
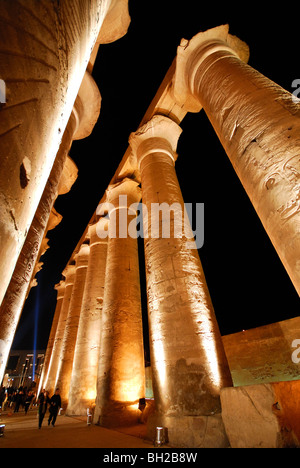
21,431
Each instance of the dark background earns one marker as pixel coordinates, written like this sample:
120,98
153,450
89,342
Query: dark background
247,282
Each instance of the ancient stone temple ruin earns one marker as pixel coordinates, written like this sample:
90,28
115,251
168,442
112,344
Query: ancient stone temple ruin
205,390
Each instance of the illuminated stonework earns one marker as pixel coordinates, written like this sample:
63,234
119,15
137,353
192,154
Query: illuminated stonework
44,71
121,372
83,386
188,360
95,352
71,326
54,362
60,288
63,174
257,122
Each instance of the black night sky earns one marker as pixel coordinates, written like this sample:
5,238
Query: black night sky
247,282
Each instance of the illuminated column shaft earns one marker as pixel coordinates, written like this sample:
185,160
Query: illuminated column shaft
60,288
71,327
121,373
15,296
83,117
187,356
86,357
258,124
45,48
50,378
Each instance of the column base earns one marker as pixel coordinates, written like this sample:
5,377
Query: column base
80,408
119,414
265,415
190,431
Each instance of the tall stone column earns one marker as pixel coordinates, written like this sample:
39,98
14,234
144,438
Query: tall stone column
45,49
50,378
188,361
60,288
121,372
83,385
71,327
258,125
18,288
81,122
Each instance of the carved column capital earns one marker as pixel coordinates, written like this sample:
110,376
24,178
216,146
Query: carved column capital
98,232
68,176
87,106
82,256
178,298
123,194
158,135
116,22
60,288
69,274
192,54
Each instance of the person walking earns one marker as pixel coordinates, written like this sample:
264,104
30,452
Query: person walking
28,400
19,399
43,401
55,404
3,395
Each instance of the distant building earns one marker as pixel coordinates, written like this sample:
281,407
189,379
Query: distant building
24,368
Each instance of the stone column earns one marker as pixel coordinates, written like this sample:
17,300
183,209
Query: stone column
82,120
18,288
116,22
83,385
121,372
50,379
60,288
71,327
45,49
258,124
188,361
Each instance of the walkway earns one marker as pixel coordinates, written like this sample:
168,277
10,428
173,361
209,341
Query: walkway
21,431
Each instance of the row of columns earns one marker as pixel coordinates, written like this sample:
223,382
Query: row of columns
189,365
45,49
95,351
98,346
121,371
84,114
51,100
86,355
257,122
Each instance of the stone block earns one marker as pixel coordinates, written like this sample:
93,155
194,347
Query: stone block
263,354
190,431
262,416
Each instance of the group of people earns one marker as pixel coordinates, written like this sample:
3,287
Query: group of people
13,399
54,403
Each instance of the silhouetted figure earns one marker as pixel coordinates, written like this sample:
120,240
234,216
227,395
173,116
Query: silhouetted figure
19,399
55,404
44,400
28,400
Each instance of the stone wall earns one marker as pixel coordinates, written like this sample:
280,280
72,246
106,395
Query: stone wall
262,416
262,410
264,354
260,355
